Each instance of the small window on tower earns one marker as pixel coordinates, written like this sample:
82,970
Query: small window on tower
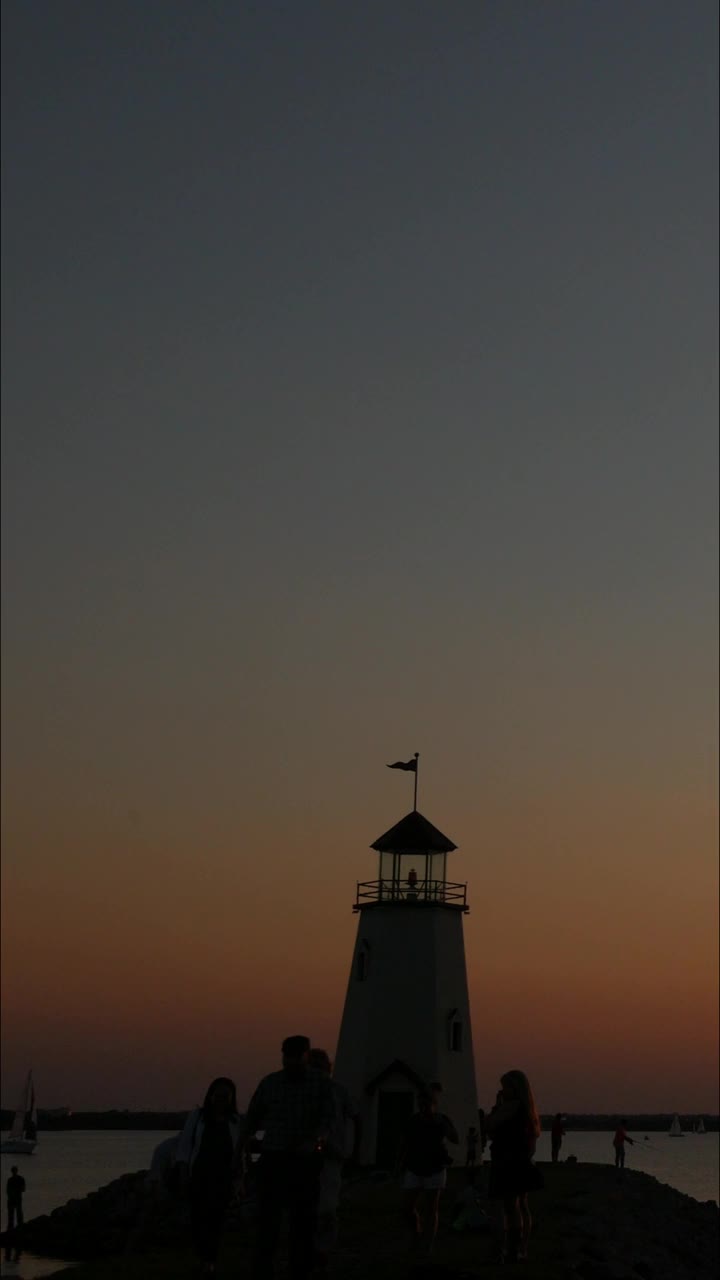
456,1036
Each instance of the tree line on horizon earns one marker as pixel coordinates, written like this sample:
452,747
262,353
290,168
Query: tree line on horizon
174,1120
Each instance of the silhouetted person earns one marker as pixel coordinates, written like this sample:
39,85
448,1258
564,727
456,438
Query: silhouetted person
619,1141
514,1128
424,1157
296,1109
556,1136
483,1132
334,1157
15,1189
436,1090
471,1146
206,1157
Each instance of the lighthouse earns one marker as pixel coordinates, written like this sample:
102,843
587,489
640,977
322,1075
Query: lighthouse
406,1020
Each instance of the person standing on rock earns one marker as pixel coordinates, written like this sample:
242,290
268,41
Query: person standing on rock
514,1128
621,1137
557,1134
206,1158
15,1189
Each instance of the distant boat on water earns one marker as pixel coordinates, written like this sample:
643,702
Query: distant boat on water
23,1133
676,1129
700,1126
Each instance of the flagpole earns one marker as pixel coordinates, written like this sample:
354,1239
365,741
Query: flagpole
417,758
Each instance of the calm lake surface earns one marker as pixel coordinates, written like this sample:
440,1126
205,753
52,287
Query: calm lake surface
690,1164
68,1165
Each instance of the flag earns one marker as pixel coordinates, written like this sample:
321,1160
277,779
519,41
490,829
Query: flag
409,765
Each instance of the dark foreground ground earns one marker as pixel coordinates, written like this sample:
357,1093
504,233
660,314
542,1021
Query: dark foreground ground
588,1225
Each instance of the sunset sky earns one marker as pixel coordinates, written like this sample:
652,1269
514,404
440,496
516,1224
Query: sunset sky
360,393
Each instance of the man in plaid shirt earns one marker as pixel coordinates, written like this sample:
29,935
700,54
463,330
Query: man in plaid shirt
296,1109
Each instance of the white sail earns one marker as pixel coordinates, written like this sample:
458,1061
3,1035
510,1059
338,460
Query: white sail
22,1139
30,1120
18,1125
16,1128
700,1126
675,1128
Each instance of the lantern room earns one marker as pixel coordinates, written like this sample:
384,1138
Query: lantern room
412,867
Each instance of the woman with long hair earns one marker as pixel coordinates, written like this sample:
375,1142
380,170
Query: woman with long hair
514,1128
207,1155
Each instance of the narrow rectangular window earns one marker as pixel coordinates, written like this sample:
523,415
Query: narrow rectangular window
361,967
456,1037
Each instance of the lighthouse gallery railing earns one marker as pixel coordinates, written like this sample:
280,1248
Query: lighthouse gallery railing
400,891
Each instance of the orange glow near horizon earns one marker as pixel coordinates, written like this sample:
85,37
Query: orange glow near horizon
159,968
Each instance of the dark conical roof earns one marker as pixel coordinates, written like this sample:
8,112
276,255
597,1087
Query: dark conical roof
411,834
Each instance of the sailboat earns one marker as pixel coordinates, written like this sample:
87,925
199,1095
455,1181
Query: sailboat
23,1134
675,1129
700,1126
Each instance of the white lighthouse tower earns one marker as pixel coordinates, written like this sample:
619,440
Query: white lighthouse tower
406,1021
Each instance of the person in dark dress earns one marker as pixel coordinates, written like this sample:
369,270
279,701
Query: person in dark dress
514,1128
207,1156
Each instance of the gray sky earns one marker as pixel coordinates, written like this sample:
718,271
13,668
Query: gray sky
360,397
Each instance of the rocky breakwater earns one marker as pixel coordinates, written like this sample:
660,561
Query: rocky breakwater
589,1225
129,1215
628,1228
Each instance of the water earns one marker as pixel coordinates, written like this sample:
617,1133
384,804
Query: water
66,1166
690,1164
69,1164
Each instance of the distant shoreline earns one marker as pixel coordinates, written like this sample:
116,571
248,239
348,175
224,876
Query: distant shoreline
174,1120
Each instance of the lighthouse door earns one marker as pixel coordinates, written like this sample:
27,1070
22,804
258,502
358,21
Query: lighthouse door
394,1109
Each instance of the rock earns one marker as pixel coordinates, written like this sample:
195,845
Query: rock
101,1223
591,1270
591,1251
595,1227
